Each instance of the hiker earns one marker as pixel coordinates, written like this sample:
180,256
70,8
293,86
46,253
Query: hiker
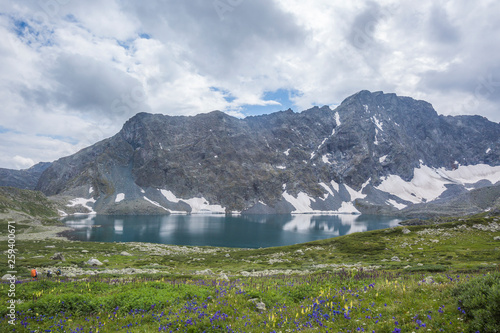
58,272
34,274
49,273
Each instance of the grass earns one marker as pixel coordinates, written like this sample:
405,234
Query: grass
370,281
344,301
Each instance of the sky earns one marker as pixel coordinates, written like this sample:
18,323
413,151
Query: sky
72,72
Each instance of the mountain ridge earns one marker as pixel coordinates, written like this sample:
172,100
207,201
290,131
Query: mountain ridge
318,160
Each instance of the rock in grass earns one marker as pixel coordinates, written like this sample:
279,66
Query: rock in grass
406,231
94,262
395,258
497,238
261,306
223,276
429,280
58,256
124,253
7,277
207,271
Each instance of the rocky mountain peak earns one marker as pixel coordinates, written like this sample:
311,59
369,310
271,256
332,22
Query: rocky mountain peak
323,159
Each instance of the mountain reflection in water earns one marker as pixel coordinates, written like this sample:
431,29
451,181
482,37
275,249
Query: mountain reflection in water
247,231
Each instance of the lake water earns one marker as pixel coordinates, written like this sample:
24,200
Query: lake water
246,231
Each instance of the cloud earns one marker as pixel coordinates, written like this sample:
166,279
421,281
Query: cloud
73,72
441,30
22,162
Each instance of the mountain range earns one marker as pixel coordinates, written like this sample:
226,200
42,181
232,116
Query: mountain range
375,153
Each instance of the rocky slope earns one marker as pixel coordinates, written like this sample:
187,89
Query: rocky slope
375,153
24,179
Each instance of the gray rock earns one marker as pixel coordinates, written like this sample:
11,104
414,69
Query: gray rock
429,280
223,276
85,251
58,256
406,231
395,258
6,277
94,262
50,246
261,306
124,253
497,238
207,271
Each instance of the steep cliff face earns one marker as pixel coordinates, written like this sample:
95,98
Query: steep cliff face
376,153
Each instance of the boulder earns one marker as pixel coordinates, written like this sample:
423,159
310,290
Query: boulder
94,262
58,256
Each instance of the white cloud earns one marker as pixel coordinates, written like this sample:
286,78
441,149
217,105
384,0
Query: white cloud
73,72
22,162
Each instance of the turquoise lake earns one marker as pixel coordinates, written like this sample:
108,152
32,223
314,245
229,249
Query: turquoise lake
245,231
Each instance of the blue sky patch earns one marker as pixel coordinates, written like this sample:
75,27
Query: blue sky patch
4,130
66,139
282,96
227,95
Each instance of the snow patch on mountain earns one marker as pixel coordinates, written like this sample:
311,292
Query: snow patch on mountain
302,203
202,206
396,204
169,196
473,173
335,185
327,188
337,119
429,183
348,208
155,203
119,197
354,194
198,205
377,123
82,202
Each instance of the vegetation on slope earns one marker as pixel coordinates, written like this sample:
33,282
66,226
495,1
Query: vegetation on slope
33,203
